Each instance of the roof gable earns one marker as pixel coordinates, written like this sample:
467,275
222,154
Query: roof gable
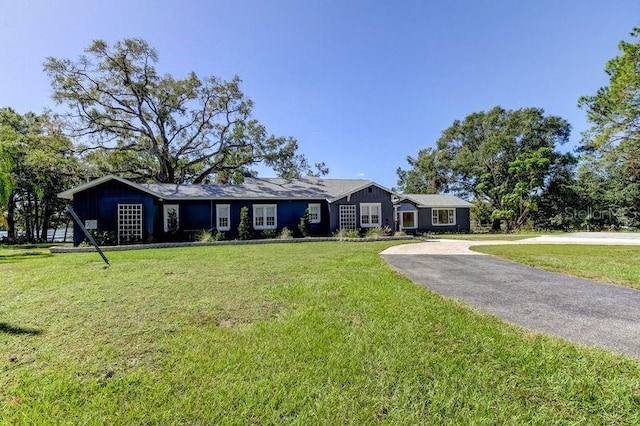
355,189
68,194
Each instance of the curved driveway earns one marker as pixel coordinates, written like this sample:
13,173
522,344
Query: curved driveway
583,311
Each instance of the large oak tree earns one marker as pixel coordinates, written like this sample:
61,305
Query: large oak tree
150,126
503,159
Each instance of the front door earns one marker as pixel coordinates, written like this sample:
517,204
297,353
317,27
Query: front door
409,220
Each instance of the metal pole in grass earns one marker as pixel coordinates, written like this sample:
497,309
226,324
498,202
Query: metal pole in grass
87,233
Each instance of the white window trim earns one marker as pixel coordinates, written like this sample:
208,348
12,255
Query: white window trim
435,216
319,207
218,216
371,224
415,219
165,215
265,207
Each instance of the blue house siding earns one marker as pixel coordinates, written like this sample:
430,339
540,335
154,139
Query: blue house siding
195,215
425,221
371,194
101,203
289,213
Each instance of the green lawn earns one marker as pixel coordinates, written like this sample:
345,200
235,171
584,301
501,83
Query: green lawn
309,333
612,264
485,237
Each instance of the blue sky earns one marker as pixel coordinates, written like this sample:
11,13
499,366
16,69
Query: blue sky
361,84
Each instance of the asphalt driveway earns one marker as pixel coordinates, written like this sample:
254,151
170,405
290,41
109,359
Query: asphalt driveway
582,311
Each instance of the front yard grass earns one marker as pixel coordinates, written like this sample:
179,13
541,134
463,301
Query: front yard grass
612,264
485,237
309,333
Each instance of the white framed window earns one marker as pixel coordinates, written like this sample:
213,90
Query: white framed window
171,212
409,219
265,216
370,215
223,217
129,223
314,212
443,217
348,216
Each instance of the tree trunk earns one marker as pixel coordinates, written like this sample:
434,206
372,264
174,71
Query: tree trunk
46,222
27,208
11,217
36,218
495,227
66,230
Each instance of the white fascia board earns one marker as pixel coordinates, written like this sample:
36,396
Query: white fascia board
360,188
69,193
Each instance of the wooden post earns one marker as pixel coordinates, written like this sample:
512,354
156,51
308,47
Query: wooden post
87,233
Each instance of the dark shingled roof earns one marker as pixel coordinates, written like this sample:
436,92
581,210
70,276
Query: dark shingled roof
251,189
261,188
435,200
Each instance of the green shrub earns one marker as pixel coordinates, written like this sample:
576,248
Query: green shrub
245,229
209,235
172,223
305,224
204,236
347,233
269,233
376,232
286,234
103,238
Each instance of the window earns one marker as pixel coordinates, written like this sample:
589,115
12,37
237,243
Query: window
443,216
265,216
129,223
409,220
171,217
314,212
348,216
370,215
223,219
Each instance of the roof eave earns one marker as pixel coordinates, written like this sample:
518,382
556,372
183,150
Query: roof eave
69,193
164,198
360,188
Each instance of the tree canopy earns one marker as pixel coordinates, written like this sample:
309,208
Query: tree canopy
36,163
424,175
504,158
139,123
610,174
615,109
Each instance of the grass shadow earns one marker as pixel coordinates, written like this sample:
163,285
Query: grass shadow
11,329
15,257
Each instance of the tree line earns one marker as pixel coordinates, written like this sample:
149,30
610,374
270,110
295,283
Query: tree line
509,162
119,114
